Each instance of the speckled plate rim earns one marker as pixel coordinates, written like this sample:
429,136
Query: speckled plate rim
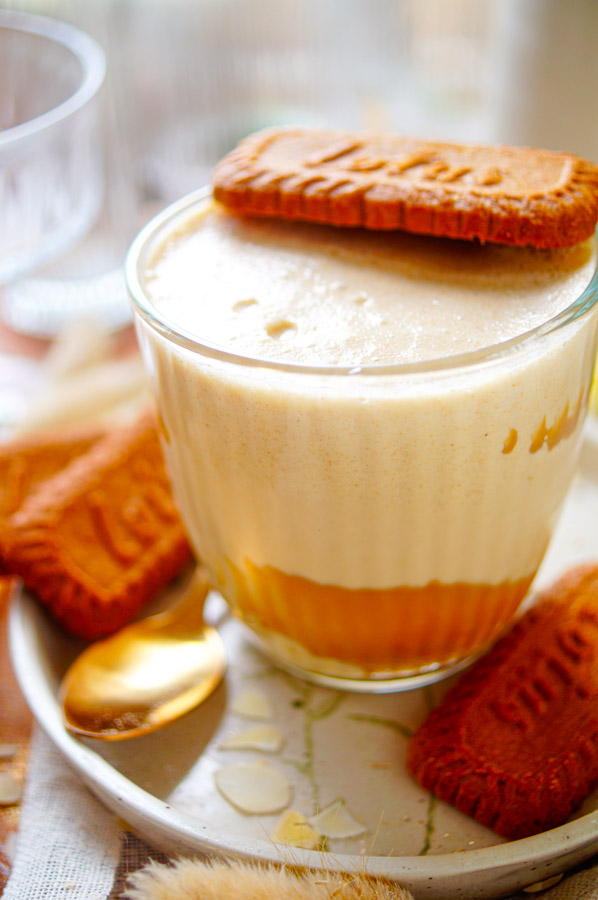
487,872
481,873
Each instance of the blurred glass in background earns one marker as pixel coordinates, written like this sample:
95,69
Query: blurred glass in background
50,168
186,79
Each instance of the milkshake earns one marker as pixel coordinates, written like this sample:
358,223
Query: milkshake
370,435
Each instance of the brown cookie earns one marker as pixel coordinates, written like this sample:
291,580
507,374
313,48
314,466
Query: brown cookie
515,743
101,537
510,195
26,463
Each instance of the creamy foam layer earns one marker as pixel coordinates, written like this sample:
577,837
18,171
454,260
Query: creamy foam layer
318,295
367,481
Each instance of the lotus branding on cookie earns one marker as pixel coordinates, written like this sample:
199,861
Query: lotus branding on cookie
512,195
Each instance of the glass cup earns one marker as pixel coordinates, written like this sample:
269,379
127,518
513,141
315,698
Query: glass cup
51,179
376,527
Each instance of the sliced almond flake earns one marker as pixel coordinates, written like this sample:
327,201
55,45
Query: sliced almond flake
335,821
7,751
10,790
254,787
252,704
293,829
267,738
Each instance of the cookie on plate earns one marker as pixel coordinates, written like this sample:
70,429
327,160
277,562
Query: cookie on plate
27,462
515,743
101,537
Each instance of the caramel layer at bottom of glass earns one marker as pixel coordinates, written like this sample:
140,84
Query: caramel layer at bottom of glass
401,629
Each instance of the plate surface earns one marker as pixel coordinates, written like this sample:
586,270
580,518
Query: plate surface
336,746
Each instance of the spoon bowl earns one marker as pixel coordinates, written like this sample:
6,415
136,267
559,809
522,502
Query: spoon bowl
146,675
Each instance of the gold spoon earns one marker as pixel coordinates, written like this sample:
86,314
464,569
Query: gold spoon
146,675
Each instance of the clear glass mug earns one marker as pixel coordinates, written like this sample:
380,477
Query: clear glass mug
51,177
376,528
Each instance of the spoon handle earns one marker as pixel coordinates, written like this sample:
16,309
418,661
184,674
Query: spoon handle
188,611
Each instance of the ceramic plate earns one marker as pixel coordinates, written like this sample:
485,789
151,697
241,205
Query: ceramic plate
336,747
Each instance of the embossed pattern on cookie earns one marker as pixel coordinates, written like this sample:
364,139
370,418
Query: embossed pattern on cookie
515,743
26,463
101,537
512,195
